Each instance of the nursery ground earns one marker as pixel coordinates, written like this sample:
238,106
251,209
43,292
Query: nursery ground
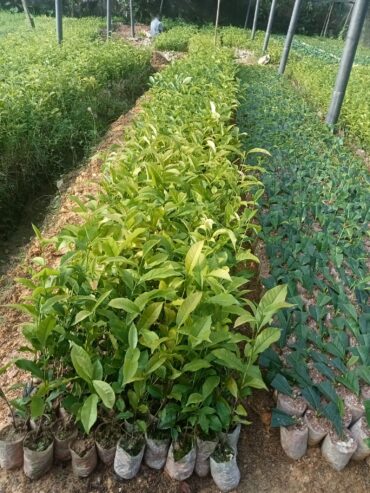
264,466
264,469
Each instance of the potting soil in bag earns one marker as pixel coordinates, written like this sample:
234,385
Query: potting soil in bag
360,432
182,468
205,449
126,466
106,455
338,450
83,466
62,452
156,452
318,427
232,438
294,440
226,475
11,449
294,406
37,463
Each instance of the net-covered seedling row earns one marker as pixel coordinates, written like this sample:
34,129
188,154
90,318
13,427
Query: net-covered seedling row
142,328
55,101
314,226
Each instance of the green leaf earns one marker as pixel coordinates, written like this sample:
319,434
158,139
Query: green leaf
187,307
194,399
150,315
160,273
130,365
193,256
196,364
132,337
232,387
31,367
247,255
240,410
281,384
124,304
209,385
89,412
105,392
82,315
223,299
246,318
229,359
97,370
82,363
37,406
265,339
367,411
279,418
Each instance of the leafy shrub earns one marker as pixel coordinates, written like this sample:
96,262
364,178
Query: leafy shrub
176,39
138,316
54,101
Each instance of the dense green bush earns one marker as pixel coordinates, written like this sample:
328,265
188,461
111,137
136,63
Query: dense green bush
175,39
55,101
139,316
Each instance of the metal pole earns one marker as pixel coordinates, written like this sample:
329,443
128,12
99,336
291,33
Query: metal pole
59,20
217,19
348,56
132,21
289,36
254,28
347,18
247,15
269,26
328,21
109,18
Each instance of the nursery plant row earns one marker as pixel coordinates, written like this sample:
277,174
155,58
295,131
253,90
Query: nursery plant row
56,100
146,327
314,227
313,65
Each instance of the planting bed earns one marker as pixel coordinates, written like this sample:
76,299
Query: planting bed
135,326
314,226
56,101
138,320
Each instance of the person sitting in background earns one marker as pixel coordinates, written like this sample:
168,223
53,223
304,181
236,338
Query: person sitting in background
156,27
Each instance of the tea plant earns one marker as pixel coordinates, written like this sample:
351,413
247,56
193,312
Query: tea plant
56,101
138,318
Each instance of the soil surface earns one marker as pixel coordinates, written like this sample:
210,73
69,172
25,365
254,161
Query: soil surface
264,469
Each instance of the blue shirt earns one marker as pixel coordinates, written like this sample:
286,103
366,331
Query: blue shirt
156,27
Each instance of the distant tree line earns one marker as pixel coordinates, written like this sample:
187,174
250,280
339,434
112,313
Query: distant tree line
312,16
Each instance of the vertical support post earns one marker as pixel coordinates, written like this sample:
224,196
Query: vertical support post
347,19
247,15
269,26
353,36
217,20
161,8
109,18
290,35
328,21
255,18
59,20
132,20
